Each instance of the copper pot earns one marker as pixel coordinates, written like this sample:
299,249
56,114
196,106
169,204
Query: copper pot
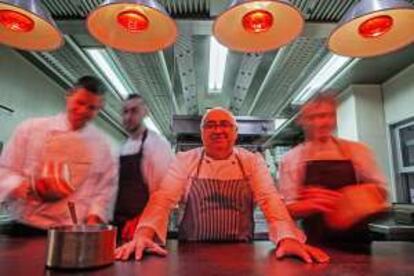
80,246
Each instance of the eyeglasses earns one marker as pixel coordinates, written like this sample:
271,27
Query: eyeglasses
226,125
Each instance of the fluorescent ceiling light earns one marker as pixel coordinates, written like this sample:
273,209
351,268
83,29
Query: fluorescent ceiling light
279,122
334,65
149,123
102,61
218,56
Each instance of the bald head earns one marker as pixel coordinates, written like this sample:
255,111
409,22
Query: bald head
218,132
221,112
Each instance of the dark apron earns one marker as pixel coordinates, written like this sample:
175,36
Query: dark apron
218,210
133,192
333,175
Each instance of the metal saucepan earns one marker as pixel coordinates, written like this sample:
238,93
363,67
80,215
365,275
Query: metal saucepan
80,246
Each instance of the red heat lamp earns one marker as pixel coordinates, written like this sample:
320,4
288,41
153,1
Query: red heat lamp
376,26
137,26
372,28
16,21
257,21
133,21
248,25
25,25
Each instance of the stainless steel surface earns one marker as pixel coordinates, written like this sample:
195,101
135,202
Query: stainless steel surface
80,246
175,81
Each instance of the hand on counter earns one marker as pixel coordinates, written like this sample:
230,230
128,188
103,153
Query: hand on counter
142,242
313,201
129,228
309,254
21,192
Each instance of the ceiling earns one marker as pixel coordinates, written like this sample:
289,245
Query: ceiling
175,81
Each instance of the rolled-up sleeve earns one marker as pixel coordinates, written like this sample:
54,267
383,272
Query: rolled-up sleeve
162,201
280,223
159,159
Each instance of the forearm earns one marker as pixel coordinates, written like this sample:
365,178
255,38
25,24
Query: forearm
156,214
9,181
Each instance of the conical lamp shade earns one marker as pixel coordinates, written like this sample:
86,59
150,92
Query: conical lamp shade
258,26
373,28
26,26
132,26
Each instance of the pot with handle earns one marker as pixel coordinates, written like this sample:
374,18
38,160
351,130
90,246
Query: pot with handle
80,246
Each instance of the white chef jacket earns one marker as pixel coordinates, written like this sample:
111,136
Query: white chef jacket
21,158
157,156
292,165
177,183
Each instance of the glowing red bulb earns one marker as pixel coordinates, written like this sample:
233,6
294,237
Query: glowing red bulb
133,21
16,21
257,21
376,26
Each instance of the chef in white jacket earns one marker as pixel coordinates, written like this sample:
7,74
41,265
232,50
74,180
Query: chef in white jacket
50,161
218,186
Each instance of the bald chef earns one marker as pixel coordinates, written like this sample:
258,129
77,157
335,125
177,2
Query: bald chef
218,184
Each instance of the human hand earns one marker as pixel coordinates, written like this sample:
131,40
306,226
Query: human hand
129,228
93,219
292,248
313,201
21,192
357,205
142,242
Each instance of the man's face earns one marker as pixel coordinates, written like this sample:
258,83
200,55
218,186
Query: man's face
133,113
218,132
318,120
82,106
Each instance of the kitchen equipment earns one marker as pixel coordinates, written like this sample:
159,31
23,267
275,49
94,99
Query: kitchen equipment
80,246
72,211
54,182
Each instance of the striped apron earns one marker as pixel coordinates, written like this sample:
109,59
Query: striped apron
218,210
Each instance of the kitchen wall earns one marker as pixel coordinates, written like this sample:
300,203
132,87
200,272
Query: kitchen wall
30,93
398,95
361,118
366,112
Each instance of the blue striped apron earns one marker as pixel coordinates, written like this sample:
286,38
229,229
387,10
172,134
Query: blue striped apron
218,210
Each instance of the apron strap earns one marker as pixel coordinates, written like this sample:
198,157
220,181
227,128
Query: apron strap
199,164
241,167
144,138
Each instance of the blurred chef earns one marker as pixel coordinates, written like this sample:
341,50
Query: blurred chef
331,183
219,184
144,161
52,160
